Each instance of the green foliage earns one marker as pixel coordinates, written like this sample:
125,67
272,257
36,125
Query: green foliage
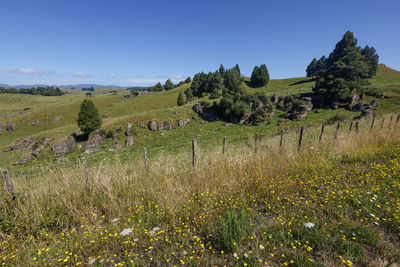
168,85
157,88
44,91
221,70
188,80
205,84
89,119
232,80
260,76
181,100
346,68
88,94
189,94
231,228
310,71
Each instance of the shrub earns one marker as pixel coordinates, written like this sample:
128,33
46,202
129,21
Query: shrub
89,119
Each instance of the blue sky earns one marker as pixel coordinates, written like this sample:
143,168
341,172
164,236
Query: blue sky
142,42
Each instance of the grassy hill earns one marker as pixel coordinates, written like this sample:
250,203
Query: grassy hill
162,106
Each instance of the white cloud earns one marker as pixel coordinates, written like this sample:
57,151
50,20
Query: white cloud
112,74
80,74
25,71
177,77
150,80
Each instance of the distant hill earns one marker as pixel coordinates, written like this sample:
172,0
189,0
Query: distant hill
76,86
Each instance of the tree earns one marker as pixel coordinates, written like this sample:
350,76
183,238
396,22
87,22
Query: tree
321,66
232,80
188,80
158,87
311,68
89,119
189,94
221,70
168,85
181,100
345,70
259,76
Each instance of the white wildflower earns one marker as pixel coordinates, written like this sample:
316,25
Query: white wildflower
309,224
372,215
235,255
91,261
135,240
115,220
184,252
126,231
154,231
245,254
261,247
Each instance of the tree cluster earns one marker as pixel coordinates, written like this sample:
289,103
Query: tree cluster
259,76
44,91
168,85
346,70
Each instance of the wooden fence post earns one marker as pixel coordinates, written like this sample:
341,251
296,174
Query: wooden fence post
86,173
224,145
337,130
194,155
255,142
146,162
281,142
300,138
356,126
9,183
351,126
383,122
372,124
398,118
322,132
390,122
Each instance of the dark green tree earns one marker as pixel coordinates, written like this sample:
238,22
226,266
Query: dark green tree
345,69
181,100
321,66
311,68
89,119
232,80
158,87
188,80
259,76
372,59
168,85
189,94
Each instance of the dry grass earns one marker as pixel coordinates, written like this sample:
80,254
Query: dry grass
59,210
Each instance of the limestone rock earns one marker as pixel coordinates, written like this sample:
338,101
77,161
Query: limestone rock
92,149
165,125
129,141
128,130
153,125
24,159
20,145
116,137
39,149
11,126
105,115
95,140
64,147
57,119
36,122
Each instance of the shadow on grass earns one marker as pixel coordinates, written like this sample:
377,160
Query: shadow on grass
302,81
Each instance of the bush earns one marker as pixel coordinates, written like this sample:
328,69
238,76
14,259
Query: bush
336,118
231,229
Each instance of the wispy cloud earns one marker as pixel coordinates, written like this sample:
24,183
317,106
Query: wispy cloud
177,78
80,74
112,74
148,81
25,71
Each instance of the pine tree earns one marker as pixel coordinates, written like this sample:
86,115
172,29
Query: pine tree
221,70
311,68
259,76
168,85
189,94
372,59
89,119
181,100
188,80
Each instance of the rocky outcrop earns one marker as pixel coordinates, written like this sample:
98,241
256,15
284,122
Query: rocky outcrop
133,93
21,145
207,113
11,126
163,125
365,108
36,122
64,147
95,140
57,119
129,141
